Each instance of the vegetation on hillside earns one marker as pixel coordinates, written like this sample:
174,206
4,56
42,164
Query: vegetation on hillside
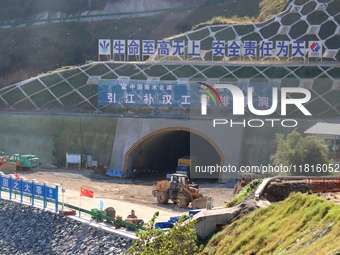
301,224
180,239
268,8
21,11
29,50
27,9
295,150
218,20
37,134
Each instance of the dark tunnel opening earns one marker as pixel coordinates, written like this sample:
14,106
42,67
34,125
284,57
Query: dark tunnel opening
159,154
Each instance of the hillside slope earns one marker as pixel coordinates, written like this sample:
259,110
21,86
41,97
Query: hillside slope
28,50
301,224
14,12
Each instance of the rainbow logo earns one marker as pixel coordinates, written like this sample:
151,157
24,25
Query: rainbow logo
208,91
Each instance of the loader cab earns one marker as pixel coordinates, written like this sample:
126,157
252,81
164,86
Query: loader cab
179,179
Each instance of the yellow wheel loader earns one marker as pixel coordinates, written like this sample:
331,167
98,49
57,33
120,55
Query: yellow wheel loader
178,190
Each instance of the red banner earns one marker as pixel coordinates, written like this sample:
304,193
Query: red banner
86,192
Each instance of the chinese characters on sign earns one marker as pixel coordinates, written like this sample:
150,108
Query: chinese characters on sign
219,48
173,94
31,189
139,93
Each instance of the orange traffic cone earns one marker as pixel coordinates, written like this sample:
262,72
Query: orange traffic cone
16,176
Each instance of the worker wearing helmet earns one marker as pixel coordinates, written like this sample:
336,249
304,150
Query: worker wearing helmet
134,174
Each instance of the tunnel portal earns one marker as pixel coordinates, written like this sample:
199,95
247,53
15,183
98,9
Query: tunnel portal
155,155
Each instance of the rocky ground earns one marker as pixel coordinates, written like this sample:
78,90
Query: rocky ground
27,230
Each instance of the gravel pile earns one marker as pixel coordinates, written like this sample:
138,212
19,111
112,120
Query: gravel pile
27,230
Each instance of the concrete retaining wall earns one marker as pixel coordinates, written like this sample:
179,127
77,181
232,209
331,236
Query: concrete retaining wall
50,137
108,139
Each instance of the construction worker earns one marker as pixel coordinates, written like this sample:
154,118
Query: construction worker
134,174
132,215
17,168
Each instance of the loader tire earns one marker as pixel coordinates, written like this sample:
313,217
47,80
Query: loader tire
162,197
183,199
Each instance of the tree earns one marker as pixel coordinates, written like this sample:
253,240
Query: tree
303,155
180,239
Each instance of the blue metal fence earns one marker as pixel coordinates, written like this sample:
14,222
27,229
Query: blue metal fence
31,189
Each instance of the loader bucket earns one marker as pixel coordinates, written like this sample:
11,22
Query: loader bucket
199,203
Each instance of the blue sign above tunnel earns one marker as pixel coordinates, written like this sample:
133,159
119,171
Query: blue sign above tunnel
139,93
177,94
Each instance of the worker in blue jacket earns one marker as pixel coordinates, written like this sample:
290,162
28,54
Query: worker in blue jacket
134,174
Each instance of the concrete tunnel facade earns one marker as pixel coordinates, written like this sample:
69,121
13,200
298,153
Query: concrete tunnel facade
153,146
159,151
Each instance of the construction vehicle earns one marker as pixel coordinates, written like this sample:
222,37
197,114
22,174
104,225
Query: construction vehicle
185,165
24,161
178,190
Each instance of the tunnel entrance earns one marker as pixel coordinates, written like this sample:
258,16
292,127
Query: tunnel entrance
157,153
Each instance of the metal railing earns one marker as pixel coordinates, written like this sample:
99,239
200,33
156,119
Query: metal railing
98,215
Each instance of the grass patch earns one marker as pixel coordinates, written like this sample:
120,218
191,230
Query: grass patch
97,70
51,79
301,224
223,20
32,87
78,80
13,96
42,98
267,9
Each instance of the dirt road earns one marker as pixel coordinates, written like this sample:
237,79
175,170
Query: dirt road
118,193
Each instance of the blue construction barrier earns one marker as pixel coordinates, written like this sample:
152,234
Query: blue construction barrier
164,225
174,219
114,173
170,223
